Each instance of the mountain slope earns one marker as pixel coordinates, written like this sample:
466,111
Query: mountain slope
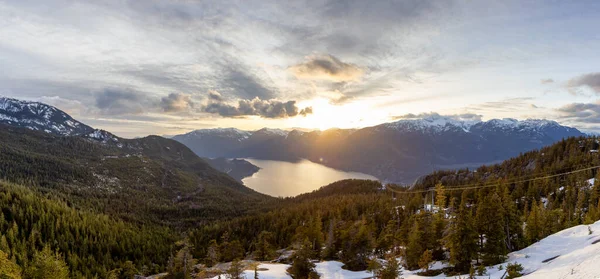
91,243
40,117
150,179
397,152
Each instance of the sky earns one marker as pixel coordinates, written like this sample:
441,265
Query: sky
168,67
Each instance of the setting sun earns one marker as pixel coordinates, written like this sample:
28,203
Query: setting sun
326,115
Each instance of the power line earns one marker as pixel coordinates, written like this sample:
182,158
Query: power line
517,181
476,186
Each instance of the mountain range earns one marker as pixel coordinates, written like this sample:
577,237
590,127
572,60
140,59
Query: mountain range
398,152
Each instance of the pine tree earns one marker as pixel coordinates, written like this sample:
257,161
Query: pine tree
8,269
47,265
330,251
264,251
391,269
414,248
235,271
535,222
490,223
302,267
374,267
212,255
439,223
462,238
512,226
425,260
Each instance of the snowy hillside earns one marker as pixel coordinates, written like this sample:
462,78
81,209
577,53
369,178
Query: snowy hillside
40,117
571,253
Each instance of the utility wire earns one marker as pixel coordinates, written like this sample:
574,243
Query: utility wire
474,186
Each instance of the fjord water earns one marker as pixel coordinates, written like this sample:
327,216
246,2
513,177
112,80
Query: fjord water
284,179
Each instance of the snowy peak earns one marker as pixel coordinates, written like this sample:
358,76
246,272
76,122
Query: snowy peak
438,123
434,122
40,117
229,133
272,132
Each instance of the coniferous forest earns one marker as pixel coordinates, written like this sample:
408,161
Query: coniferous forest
69,222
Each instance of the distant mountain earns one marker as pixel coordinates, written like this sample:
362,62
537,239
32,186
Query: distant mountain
399,151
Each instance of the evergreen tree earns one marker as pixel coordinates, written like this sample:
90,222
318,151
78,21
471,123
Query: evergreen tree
236,270
490,225
391,269
415,247
512,226
462,238
264,251
374,267
439,224
425,260
47,265
357,247
302,267
212,255
8,269
534,230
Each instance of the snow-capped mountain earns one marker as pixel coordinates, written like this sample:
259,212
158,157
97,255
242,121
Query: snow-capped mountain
40,117
399,151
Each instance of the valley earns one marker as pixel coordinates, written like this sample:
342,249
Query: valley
303,139
395,152
172,213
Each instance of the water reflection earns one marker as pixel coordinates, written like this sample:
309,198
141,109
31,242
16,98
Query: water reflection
279,178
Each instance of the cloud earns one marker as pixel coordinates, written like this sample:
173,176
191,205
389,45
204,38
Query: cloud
326,67
581,112
510,105
72,107
263,108
591,81
546,81
435,115
176,102
120,101
242,83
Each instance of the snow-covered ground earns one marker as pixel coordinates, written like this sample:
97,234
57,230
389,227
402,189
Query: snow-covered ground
327,270
578,257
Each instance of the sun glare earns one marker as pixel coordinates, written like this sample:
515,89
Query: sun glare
326,115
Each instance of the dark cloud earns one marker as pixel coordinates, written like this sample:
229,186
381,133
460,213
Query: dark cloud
435,115
176,102
591,80
581,112
263,108
547,81
326,67
120,101
243,83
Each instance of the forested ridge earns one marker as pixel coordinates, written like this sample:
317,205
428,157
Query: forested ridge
106,206
89,244
152,179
